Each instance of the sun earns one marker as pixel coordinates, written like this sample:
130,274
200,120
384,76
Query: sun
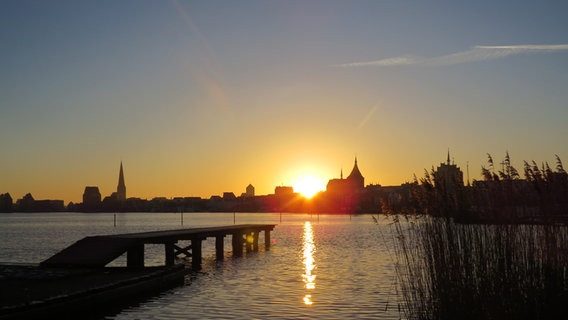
308,186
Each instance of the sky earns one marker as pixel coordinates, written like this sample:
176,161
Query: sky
197,98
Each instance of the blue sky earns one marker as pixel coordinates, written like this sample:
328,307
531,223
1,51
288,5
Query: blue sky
198,98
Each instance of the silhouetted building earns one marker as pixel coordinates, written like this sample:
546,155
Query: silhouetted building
248,200
29,204
283,190
284,199
353,183
449,176
448,181
49,206
344,195
26,204
121,188
6,203
116,201
91,199
229,196
249,191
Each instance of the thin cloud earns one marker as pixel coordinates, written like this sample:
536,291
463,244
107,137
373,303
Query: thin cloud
396,61
476,53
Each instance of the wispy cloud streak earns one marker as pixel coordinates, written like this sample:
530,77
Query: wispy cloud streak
476,53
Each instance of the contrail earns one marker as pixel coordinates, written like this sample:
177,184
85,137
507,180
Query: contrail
476,53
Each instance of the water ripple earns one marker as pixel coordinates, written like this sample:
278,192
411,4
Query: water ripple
352,269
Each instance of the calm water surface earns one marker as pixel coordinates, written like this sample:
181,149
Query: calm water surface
326,266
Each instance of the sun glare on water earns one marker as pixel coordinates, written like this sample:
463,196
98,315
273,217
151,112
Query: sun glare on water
308,186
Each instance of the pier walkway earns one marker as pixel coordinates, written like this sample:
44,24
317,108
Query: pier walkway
98,251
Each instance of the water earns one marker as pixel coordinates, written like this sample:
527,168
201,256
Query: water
326,266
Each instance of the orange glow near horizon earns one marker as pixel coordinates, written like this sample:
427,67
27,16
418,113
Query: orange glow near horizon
309,186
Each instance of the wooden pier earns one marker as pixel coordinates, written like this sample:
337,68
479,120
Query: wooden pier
98,251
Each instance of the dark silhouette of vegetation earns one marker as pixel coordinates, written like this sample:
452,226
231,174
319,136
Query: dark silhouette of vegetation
448,270
507,262
503,196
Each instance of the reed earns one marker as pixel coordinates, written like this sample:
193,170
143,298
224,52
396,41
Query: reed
448,270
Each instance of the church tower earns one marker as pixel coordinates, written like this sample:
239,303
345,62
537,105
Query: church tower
355,178
121,188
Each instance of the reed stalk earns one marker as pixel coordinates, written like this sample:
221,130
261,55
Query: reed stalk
448,270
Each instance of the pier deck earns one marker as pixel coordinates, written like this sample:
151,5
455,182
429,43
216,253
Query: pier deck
98,251
32,292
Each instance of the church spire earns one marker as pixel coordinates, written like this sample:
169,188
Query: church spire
448,160
356,176
121,188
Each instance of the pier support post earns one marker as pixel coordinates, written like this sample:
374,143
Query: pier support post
170,253
266,239
135,256
219,250
255,235
237,242
196,253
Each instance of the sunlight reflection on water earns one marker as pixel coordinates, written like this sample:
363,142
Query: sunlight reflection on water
309,249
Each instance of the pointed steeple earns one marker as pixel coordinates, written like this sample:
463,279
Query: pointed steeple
448,160
341,173
356,176
121,188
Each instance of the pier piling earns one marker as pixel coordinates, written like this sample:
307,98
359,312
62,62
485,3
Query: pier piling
219,247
